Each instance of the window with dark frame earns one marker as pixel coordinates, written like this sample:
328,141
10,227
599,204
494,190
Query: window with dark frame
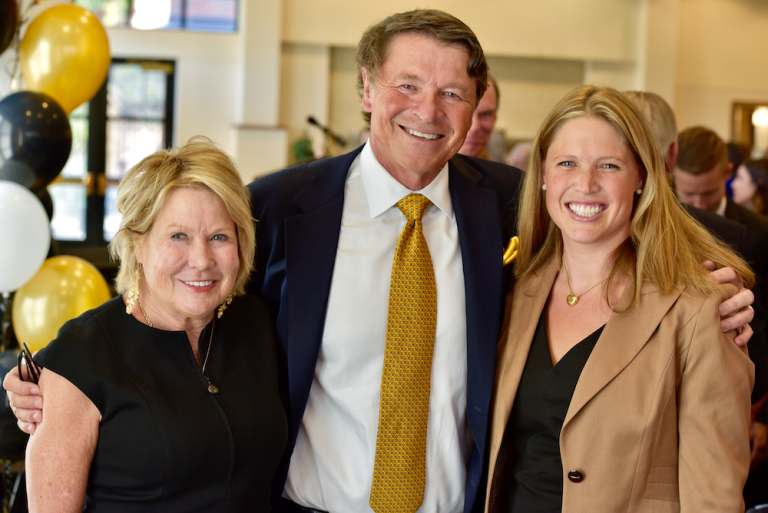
129,118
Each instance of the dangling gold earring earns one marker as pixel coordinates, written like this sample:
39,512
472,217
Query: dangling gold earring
133,292
224,305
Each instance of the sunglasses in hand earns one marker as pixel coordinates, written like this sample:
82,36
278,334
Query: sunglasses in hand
28,369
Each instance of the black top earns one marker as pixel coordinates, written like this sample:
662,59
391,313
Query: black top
165,442
530,471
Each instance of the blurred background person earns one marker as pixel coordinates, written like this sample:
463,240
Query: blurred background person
750,185
737,154
483,121
519,154
700,174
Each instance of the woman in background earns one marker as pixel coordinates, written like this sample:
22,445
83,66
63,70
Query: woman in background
750,185
616,389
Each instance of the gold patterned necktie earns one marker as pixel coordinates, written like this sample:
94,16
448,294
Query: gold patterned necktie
399,471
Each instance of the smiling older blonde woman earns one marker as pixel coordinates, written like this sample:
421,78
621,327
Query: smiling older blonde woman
160,400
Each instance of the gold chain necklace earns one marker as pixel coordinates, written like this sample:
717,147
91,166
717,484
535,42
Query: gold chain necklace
211,387
572,298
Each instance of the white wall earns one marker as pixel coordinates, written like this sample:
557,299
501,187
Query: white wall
721,59
572,29
529,88
206,78
305,83
346,116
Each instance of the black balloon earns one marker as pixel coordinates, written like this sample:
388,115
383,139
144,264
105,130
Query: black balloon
35,139
9,17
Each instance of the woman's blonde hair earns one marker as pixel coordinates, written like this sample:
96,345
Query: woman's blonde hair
143,190
666,246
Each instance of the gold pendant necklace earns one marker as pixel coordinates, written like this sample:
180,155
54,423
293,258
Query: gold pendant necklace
572,298
211,387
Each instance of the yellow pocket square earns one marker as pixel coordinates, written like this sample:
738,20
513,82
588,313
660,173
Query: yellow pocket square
511,252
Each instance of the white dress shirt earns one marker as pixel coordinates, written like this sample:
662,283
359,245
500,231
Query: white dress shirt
332,465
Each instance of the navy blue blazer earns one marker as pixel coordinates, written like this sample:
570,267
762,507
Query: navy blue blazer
298,213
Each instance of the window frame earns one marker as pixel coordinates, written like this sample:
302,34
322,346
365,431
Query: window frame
94,247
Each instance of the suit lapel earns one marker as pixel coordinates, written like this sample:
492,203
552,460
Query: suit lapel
311,240
527,306
622,339
479,227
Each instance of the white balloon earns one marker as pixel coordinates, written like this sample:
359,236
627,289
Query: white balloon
25,235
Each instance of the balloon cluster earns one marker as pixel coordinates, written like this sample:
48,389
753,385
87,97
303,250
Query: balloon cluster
64,58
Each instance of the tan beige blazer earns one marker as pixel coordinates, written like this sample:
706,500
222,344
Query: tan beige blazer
660,416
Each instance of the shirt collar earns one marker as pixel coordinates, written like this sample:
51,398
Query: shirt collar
383,191
721,209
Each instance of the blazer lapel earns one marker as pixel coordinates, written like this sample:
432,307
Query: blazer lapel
480,240
623,337
311,239
527,306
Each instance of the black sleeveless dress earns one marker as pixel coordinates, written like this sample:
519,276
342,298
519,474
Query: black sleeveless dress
165,443
529,475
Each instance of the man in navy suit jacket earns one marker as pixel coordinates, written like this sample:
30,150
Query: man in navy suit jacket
420,99
299,213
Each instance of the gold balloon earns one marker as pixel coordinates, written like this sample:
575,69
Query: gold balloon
63,288
65,54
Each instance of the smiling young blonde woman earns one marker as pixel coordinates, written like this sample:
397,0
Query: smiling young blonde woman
616,389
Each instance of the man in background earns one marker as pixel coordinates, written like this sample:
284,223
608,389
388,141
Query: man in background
700,175
483,121
327,235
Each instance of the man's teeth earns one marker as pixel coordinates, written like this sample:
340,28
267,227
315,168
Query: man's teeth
584,210
199,283
431,137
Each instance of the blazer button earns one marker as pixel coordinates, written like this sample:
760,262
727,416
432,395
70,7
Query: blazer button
575,476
